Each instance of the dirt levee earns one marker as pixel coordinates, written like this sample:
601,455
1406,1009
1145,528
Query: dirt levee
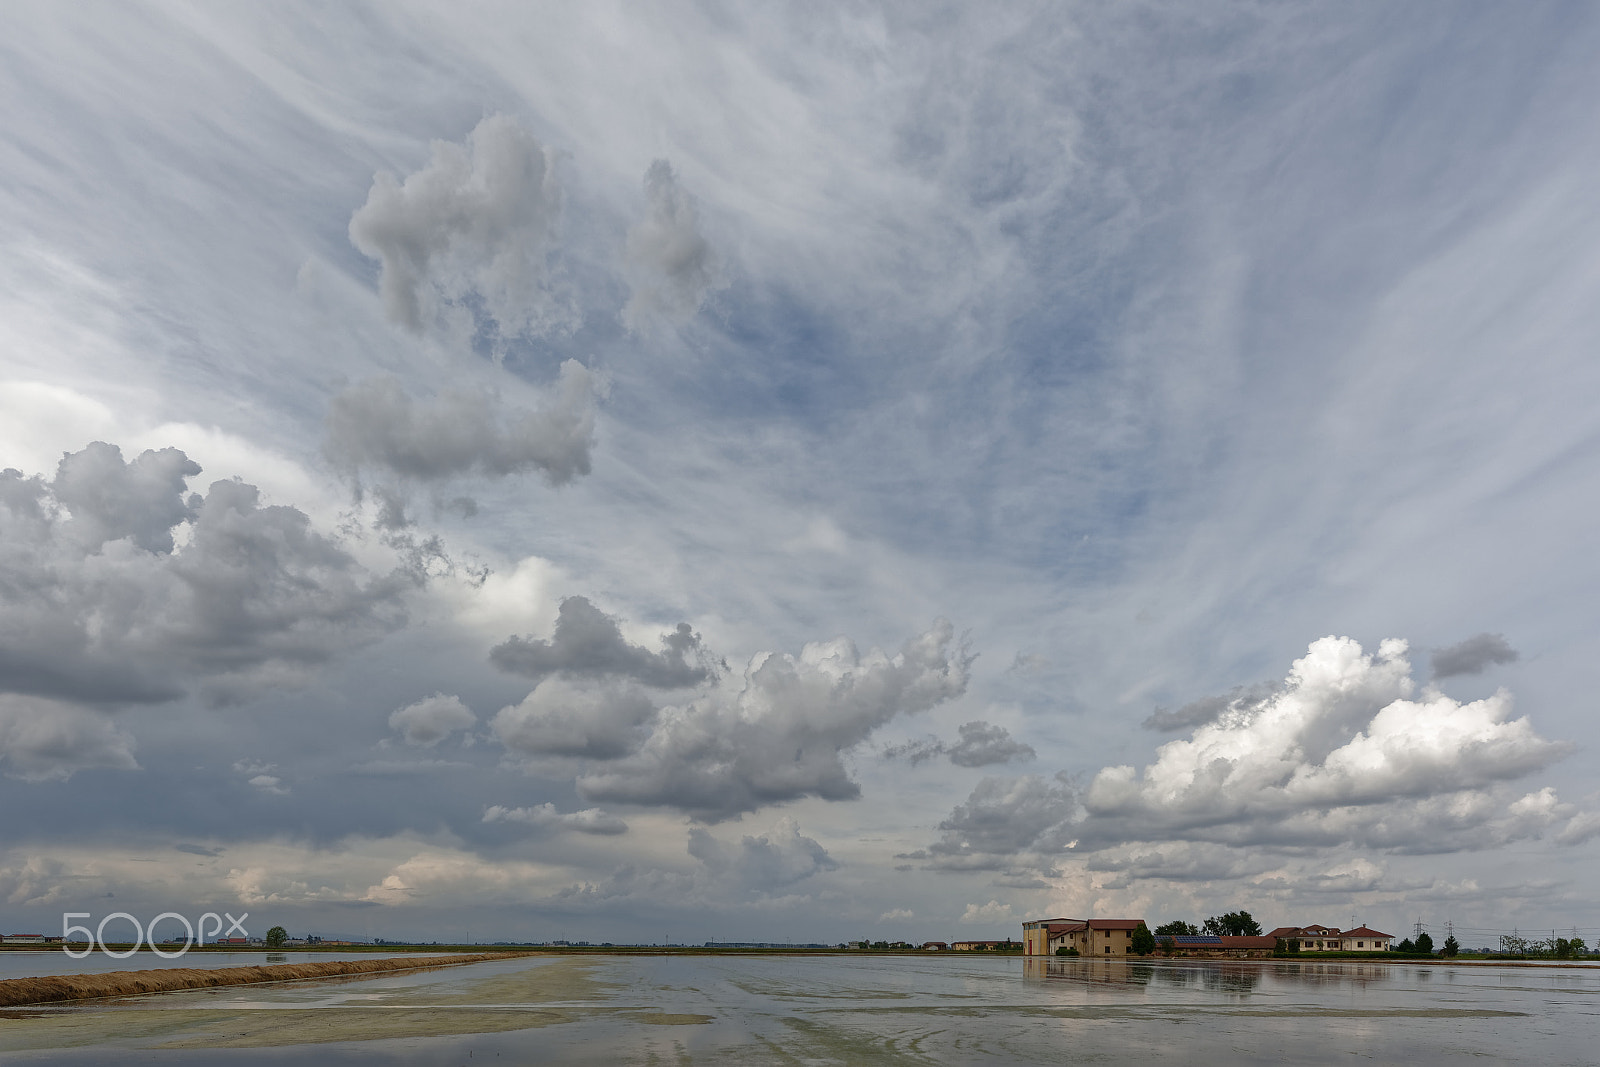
19,991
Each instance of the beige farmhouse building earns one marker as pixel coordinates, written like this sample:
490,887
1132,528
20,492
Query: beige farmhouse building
1091,937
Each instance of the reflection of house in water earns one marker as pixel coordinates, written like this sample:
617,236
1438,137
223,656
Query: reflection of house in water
1216,976
1357,974
1225,977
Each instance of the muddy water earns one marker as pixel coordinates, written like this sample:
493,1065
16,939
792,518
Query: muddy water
847,1010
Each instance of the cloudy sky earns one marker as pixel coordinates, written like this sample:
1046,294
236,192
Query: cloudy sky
697,471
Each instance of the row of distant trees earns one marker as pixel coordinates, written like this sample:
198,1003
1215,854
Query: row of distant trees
1561,948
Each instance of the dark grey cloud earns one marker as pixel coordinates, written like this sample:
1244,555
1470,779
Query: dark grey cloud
44,739
778,858
109,500
198,850
548,817
431,719
981,745
1240,699
473,225
577,717
375,429
589,643
100,604
1473,656
784,735
670,263
1005,817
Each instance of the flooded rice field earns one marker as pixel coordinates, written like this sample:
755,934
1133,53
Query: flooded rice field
845,1010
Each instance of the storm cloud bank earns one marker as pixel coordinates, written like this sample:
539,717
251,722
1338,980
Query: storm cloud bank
118,586
782,734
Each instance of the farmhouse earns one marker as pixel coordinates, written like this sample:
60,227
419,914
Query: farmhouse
1090,937
1331,939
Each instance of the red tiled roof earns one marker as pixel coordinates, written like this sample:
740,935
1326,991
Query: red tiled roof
1285,931
1239,941
1363,931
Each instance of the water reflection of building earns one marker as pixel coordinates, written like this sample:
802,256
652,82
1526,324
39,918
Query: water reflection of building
1226,977
1341,973
1216,976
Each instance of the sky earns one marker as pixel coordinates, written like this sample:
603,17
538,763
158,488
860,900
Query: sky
762,473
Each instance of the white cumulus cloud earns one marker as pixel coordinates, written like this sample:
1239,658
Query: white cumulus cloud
1344,753
472,223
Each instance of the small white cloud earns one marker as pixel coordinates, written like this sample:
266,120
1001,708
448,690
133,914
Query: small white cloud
896,915
270,783
992,912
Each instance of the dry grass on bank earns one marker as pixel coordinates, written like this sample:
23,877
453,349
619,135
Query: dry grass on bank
16,992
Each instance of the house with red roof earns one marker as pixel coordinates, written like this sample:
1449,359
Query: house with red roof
1316,938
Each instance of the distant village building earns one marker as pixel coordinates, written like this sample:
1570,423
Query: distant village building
975,946
24,939
935,946
1091,937
1316,938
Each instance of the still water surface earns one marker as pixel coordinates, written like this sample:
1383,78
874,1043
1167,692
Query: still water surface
847,1010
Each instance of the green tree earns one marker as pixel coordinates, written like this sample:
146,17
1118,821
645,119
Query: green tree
1233,924
276,937
1405,946
1425,944
1066,950
1177,928
1451,946
1143,942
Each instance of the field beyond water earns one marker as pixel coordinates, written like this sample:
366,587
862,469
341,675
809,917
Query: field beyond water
789,1009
